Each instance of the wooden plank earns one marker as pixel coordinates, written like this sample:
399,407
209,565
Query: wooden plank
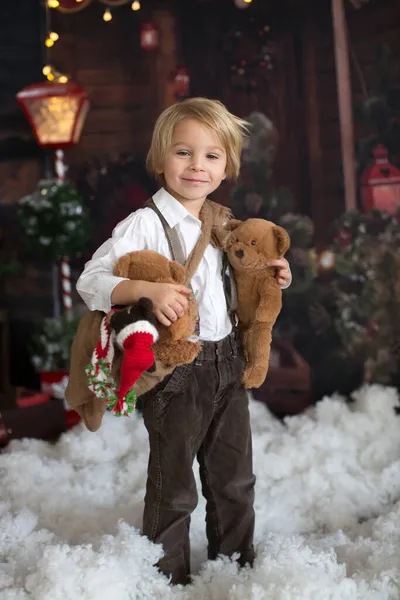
117,119
345,103
125,95
313,128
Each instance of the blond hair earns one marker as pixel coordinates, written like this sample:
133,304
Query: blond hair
211,113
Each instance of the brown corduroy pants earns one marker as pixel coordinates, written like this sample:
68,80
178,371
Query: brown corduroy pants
200,411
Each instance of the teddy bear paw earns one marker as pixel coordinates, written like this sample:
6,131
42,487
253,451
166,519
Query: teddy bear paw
253,377
177,353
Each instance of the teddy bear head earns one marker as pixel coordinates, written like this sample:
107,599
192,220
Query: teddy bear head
251,243
147,265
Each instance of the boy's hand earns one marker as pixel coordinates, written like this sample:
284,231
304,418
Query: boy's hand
284,275
170,301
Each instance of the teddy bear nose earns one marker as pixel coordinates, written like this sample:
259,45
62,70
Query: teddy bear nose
239,253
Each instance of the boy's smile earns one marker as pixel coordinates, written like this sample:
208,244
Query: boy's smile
195,164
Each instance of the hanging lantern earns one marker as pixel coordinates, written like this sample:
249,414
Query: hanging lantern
70,6
380,183
115,2
148,36
242,3
181,83
55,111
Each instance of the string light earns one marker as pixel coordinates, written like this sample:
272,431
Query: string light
53,75
107,15
52,36
135,5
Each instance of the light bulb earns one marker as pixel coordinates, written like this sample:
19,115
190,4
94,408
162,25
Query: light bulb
54,36
135,5
49,42
50,77
107,15
46,70
63,79
53,3
248,1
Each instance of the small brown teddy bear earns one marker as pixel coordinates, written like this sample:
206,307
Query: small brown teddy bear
171,349
249,245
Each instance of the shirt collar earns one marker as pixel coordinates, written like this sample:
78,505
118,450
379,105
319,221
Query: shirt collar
172,210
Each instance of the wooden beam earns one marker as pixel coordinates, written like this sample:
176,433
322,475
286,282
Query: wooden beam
166,57
345,103
315,182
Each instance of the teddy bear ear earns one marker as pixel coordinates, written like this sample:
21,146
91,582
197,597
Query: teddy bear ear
232,224
282,240
220,235
122,266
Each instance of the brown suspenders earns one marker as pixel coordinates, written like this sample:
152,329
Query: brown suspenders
178,255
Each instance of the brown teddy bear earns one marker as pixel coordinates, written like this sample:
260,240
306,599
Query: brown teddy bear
172,347
249,245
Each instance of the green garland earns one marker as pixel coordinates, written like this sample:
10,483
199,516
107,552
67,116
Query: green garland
366,285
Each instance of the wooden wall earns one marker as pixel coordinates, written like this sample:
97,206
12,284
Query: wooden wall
124,83
204,26
126,87
376,23
301,96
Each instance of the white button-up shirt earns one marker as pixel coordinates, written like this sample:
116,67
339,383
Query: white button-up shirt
143,230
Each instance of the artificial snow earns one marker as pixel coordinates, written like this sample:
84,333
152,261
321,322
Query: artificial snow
327,509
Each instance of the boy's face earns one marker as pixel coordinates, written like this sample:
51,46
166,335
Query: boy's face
195,163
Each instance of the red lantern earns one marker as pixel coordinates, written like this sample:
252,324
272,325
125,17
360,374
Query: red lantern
380,183
148,36
182,83
55,111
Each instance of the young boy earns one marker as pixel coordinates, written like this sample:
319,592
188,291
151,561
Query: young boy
201,411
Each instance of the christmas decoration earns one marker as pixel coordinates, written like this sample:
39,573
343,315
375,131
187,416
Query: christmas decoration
136,340
57,228
65,266
242,3
366,287
250,53
55,111
51,343
54,220
148,36
71,6
181,83
380,183
377,111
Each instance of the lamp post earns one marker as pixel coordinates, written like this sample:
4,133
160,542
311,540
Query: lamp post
56,113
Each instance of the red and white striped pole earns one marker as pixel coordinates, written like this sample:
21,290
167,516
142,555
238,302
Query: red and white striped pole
65,265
